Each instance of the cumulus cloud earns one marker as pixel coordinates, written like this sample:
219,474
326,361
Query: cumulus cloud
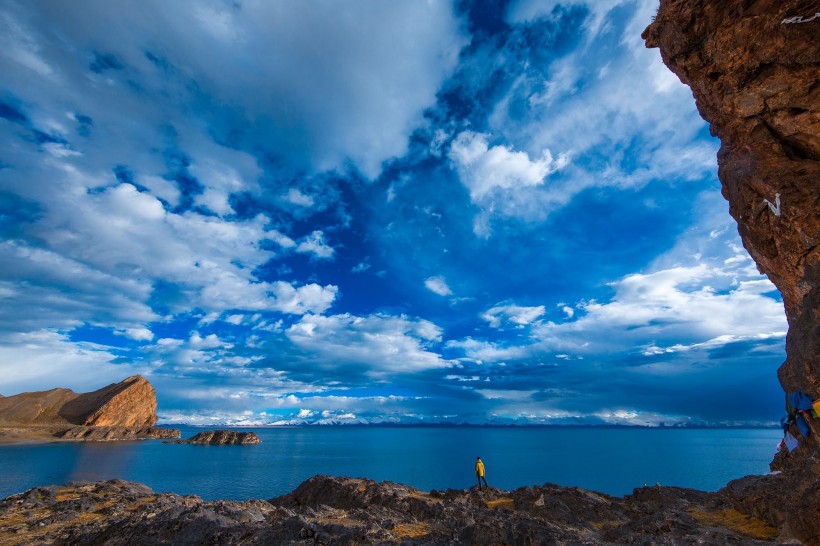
139,334
484,168
579,102
27,358
376,343
408,48
702,294
514,314
316,245
437,285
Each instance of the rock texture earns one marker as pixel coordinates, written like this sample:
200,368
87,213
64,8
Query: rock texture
107,434
753,67
222,438
346,511
127,408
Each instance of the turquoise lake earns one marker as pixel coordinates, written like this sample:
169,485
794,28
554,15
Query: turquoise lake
610,460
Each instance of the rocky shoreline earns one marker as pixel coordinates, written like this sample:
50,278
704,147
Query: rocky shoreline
22,434
348,511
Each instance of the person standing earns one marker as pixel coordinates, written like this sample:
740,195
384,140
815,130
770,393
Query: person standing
479,472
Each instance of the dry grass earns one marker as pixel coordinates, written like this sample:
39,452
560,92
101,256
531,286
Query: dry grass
16,529
503,502
62,495
411,530
88,517
140,504
604,524
738,522
344,521
421,495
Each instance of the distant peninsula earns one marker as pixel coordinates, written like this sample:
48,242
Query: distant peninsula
121,411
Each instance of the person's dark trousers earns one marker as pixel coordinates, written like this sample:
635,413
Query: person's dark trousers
479,481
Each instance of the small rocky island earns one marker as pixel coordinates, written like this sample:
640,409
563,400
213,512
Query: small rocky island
121,411
220,438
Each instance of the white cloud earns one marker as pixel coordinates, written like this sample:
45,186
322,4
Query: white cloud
45,359
316,245
298,198
280,239
361,267
139,334
378,343
438,285
703,293
515,314
511,394
407,47
589,104
486,169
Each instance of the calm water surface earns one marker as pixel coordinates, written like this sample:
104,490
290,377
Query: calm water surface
612,460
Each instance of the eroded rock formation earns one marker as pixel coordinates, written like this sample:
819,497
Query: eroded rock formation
753,68
127,409
222,438
347,511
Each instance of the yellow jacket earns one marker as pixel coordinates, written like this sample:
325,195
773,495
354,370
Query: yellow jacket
479,468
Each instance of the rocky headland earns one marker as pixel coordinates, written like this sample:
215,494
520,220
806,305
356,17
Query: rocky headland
121,411
753,67
220,438
347,511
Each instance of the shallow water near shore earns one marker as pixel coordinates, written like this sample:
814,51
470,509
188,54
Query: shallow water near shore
610,460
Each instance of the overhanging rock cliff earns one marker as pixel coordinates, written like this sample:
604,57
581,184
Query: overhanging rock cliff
753,66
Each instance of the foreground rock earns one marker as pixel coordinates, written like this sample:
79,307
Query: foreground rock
125,410
326,510
221,438
753,67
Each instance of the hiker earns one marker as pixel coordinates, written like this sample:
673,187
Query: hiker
479,472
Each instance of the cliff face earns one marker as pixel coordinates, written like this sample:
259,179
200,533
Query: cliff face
753,68
130,403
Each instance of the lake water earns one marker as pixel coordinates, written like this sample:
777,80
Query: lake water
611,460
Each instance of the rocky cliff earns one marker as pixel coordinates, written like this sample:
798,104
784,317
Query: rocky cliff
129,406
347,511
753,68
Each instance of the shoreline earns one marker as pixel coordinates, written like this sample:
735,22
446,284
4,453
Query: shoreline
51,434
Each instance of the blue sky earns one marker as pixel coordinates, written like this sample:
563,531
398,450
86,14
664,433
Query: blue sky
366,211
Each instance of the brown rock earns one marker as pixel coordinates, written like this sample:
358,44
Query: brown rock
753,67
329,510
222,438
129,403
107,434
